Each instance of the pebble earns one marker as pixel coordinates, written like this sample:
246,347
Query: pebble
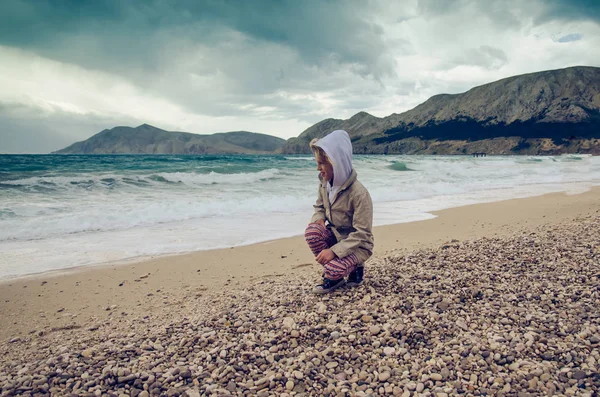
289,323
443,305
495,316
374,329
87,353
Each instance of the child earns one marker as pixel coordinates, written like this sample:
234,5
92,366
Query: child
340,230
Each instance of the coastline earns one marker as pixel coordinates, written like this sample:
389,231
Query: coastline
125,292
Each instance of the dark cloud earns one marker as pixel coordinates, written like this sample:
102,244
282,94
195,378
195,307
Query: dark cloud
259,64
504,13
126,37
21,136
27,128
516,12
212,57
440,7
570,10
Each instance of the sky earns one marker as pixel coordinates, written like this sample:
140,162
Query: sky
72,68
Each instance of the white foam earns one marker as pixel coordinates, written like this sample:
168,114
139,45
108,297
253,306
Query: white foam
307,158
212,177
54,253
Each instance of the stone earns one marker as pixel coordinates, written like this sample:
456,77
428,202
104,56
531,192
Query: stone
321,308
87,353
289,323
374,329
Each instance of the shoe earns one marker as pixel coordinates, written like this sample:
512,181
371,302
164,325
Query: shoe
328,286
355,278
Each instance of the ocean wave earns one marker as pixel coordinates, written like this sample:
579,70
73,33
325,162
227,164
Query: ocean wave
114,181
7,213
308,158
573,157
215,178
399,166
132,204
90,215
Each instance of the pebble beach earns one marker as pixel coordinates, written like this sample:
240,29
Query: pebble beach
510,311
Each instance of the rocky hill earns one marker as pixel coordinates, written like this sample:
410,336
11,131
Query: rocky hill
549,112
147,139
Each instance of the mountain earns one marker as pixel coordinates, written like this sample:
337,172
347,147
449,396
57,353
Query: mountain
550,112
147,139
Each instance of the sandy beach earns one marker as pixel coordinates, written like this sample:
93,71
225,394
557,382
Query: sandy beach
81,297
54,314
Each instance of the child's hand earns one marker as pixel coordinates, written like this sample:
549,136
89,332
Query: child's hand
325,256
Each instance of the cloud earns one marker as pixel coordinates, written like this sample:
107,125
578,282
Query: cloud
45,127
268,66
267,60
569,10
129,33
515,13
484,56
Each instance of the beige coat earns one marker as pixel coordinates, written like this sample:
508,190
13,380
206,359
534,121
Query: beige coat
350,218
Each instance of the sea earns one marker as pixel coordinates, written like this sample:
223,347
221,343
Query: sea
64,211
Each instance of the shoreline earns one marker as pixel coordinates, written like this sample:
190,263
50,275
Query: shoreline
163,256
88,295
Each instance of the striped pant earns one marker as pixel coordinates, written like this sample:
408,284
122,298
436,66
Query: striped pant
319,238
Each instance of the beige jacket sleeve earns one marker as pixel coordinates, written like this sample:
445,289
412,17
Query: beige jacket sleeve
319,208
362,221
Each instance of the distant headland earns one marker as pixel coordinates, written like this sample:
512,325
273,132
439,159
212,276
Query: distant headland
544,113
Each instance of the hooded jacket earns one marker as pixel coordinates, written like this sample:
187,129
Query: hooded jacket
346,204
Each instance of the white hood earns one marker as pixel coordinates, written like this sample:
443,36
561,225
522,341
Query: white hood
338,147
